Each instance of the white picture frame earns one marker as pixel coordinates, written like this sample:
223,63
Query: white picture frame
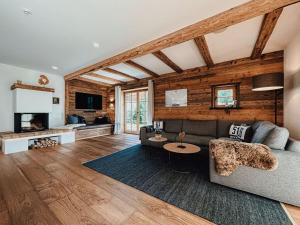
176,98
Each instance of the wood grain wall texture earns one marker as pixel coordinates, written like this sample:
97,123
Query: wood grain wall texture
73,86
254,105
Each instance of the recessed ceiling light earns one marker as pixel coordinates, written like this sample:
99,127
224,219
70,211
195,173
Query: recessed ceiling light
54,67
27,12
96,45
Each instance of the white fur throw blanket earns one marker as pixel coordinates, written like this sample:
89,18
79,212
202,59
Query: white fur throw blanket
228,155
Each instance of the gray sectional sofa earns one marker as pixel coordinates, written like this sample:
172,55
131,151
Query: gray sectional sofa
282,184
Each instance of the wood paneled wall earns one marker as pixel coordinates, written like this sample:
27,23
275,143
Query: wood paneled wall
254,105
73,86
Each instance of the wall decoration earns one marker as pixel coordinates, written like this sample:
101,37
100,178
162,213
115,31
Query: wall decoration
176,98
225,96
43,80
55,100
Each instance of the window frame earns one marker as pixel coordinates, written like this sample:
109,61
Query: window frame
236,95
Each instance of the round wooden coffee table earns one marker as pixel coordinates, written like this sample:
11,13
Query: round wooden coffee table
180,149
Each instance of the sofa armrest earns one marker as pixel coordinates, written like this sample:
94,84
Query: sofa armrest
144,131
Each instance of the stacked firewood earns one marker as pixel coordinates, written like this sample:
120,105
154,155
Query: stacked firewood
43,143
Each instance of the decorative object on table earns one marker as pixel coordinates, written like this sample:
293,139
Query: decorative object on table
225,96
158,126
176,98
229,155
43,80
242,132
55,100
269,82
181,135
19,82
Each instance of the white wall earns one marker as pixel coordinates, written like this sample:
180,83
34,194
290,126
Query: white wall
9,75
292,87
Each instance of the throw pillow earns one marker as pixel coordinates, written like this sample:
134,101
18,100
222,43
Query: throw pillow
241,133
72,119
81,120
293,145
277,138
262,131
101,120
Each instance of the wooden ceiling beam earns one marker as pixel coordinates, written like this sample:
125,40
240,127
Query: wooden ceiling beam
223,66
165,59
141,68
121,74
94,81
203,49
104,77
266,30
222,20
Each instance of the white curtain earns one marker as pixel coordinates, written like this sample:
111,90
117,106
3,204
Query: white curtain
118,110
150,103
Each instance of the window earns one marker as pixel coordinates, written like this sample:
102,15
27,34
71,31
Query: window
225,96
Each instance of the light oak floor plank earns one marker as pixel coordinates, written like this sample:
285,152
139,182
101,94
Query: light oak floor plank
51,186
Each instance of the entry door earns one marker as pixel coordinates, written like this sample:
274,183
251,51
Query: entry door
136,105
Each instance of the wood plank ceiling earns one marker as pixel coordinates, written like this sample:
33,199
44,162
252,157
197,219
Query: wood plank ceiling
129,66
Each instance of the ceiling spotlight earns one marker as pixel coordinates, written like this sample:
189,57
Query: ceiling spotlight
54,67
27,12
96,45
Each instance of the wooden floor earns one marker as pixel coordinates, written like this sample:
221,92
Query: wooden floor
52,187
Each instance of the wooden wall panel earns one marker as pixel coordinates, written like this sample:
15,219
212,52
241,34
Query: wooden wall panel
254,105
74,86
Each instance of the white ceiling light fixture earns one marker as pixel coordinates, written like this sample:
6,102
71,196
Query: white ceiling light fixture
54,67
27,12
96,45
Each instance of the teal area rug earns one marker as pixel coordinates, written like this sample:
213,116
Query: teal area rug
192,192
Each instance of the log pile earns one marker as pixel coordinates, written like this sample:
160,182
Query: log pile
43,143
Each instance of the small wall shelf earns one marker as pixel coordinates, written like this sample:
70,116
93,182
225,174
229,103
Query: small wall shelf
31,87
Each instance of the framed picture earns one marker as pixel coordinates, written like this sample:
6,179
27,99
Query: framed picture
225,96
55,100
176,98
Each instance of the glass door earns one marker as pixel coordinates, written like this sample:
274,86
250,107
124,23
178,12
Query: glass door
136,105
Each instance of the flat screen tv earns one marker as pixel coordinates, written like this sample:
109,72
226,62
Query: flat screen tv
88,101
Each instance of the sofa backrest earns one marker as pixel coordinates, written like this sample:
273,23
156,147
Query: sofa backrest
173,126
200,127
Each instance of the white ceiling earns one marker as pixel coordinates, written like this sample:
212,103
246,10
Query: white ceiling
62,32
235,42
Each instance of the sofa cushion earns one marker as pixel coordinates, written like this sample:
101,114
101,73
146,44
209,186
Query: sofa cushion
101,120
200,127
293,145
72,119
224,126
262,131
172,126
277,138
197,140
